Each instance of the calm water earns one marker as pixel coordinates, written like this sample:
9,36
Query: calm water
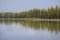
29,30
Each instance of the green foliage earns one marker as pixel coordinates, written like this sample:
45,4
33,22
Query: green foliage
50,13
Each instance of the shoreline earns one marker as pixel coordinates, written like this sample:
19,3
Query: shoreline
30,19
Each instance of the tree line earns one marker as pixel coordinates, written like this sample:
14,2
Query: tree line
50,13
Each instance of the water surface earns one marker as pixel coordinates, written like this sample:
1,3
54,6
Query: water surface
29,30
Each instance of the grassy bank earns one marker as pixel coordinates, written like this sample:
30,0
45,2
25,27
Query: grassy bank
30,19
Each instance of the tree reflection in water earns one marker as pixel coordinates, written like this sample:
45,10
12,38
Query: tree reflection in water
51,26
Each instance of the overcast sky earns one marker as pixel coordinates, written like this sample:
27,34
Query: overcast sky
21,5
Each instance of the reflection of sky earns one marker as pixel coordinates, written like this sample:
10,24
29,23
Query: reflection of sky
17,32
19,5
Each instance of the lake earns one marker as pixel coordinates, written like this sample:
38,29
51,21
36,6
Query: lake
29,30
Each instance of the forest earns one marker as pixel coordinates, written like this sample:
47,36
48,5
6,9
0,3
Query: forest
49,13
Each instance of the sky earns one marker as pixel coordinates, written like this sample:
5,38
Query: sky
22,5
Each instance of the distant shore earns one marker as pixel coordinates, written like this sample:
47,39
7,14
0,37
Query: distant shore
30,19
